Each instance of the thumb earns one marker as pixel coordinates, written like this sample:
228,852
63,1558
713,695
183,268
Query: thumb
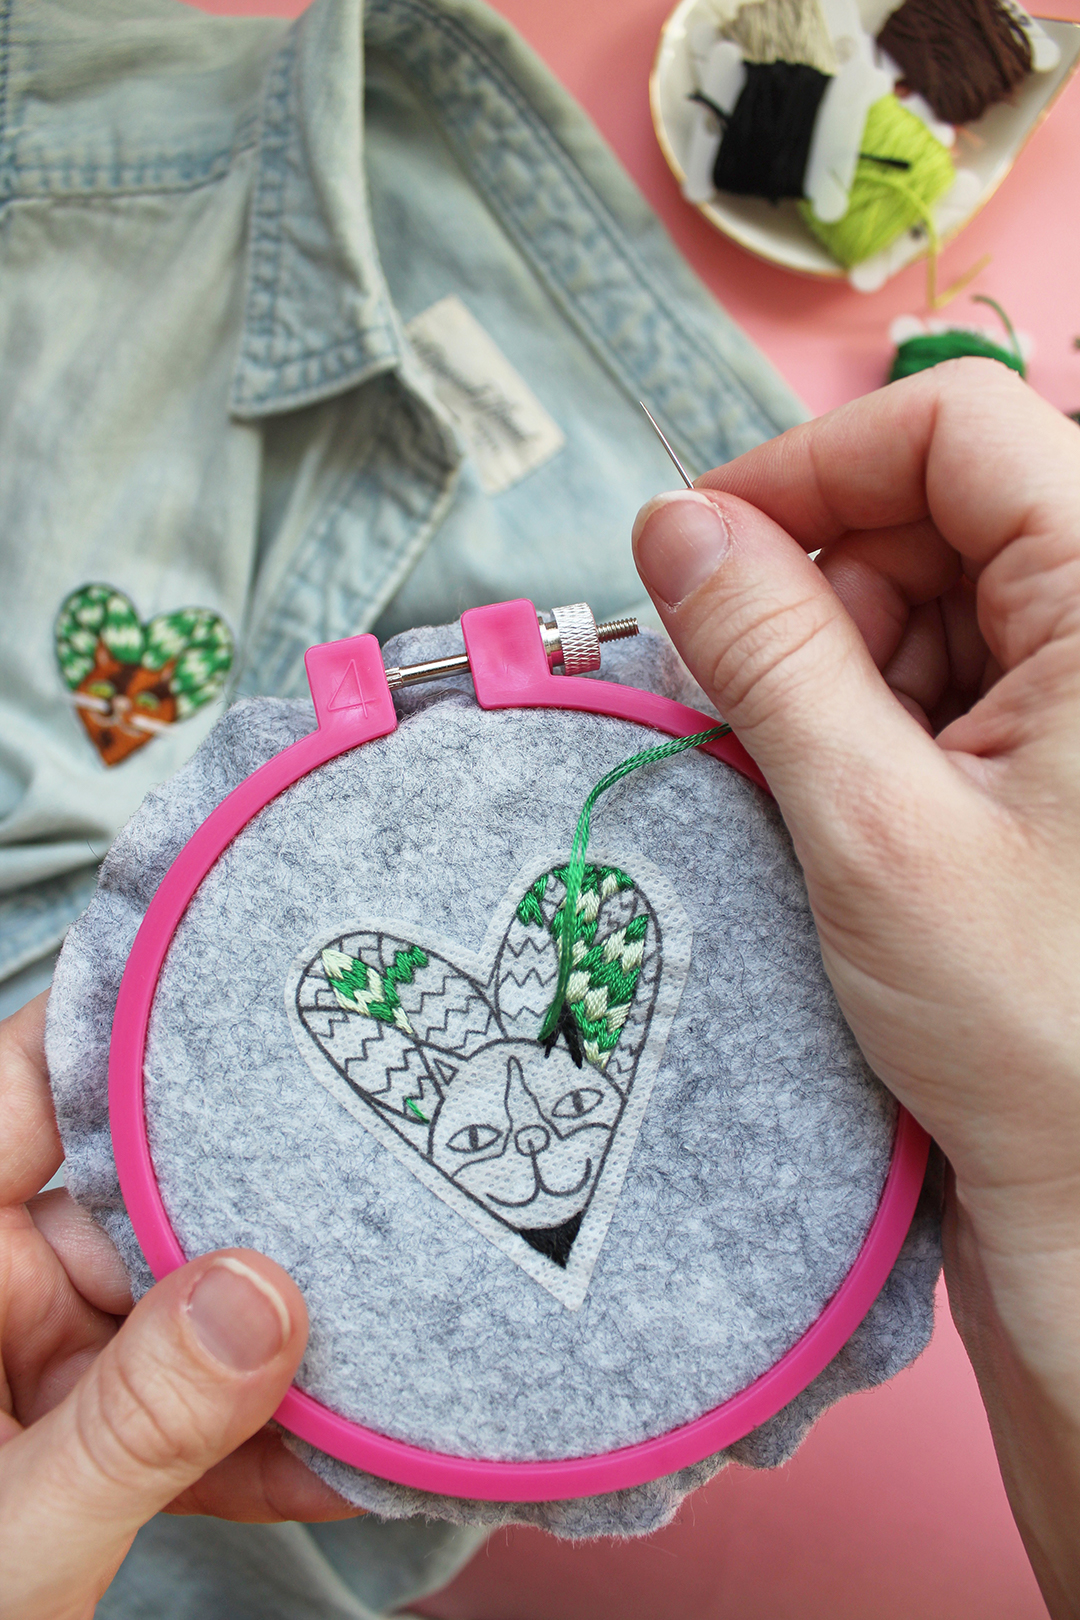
771,644
199,1366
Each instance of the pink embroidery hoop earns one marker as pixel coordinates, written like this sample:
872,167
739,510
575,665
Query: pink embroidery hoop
353,705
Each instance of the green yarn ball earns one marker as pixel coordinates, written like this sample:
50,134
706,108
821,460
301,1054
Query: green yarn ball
886,200
931,348
927,349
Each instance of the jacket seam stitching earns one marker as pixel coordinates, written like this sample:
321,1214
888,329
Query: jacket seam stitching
5,66
263,274
246,402
268,635
103,194
263,277
209,168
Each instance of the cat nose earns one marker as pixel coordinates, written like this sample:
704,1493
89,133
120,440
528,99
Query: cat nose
531,1139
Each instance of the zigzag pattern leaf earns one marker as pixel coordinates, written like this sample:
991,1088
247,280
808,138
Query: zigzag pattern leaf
360,989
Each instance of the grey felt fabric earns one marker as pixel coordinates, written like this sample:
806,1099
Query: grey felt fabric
751,1181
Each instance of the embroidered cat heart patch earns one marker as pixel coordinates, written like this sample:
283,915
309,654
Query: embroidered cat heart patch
130,680
434,1050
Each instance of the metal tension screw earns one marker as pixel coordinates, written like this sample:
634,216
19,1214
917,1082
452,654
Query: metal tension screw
571,637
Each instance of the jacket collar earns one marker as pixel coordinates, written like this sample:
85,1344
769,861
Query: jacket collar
317,314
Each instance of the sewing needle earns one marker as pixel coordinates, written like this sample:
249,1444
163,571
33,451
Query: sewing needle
683,474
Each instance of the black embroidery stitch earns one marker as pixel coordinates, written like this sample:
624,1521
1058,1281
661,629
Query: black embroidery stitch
567,1027
554,1241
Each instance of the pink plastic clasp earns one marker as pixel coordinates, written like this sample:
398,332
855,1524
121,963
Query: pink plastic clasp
348,688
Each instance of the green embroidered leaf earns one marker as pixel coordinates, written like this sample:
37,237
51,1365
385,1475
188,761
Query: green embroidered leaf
202,645
78,626
601,987
121,632
528,907
360,989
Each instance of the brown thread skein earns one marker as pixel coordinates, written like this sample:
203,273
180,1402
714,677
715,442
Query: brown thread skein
959,55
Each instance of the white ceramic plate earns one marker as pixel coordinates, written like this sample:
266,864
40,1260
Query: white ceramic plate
775,231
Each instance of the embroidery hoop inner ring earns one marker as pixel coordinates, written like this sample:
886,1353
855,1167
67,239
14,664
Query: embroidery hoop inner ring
353,705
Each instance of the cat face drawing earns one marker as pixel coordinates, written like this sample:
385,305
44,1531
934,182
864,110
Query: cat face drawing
436,1052
523,1133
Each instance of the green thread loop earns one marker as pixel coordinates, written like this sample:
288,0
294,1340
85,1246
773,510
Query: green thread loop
575,867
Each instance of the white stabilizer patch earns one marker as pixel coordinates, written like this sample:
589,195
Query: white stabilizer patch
454,1083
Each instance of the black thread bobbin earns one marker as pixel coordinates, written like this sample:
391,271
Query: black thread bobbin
765,144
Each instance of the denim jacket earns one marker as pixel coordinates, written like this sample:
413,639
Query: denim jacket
218,441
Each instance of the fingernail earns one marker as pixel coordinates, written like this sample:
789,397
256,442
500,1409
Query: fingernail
680,540
238,1316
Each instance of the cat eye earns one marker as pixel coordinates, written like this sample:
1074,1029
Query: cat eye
577,1103
474,1137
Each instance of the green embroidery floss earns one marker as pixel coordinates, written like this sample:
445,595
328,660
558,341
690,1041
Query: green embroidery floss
931,348
575,867
901,173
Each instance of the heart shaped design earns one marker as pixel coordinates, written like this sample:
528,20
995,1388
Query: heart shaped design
435,1051
131,679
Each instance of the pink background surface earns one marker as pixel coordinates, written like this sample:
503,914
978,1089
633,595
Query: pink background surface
893,1508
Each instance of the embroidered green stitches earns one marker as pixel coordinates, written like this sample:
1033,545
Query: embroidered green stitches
600,991
604,975
131,680
202,646
528,907
359,988
78,626
197,642
598,883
